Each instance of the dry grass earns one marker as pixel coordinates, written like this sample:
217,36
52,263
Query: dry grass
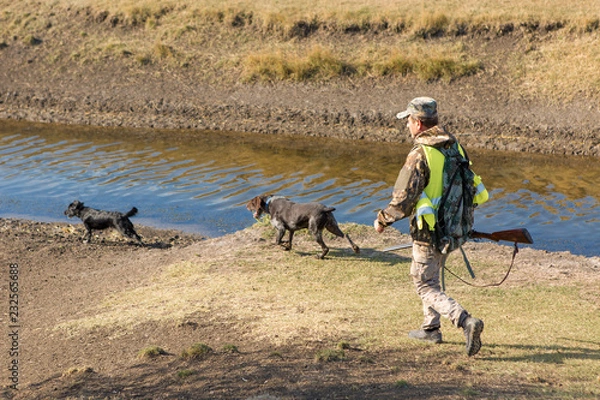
284,16
318,63
351,12
368,301
428,63
318,41
563,69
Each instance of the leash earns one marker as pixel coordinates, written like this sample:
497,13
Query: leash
512,262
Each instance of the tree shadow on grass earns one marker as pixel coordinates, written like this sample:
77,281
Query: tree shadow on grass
259,375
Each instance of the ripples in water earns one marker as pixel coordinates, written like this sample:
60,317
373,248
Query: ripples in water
200,181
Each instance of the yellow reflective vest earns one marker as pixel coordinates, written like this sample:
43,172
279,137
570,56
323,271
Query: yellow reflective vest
426,208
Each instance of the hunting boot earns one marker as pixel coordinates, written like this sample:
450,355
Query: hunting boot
472,327
426,335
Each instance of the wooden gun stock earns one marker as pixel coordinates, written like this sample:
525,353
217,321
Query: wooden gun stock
511,235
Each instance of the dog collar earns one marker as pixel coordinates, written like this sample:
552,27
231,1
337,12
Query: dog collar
270,199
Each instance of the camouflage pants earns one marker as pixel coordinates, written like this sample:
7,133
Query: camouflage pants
425,271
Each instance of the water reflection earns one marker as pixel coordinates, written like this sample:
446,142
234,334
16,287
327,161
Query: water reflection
199,181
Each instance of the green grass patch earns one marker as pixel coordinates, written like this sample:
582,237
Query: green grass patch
329,355
401,383
230,348
196,351
151,352
185,373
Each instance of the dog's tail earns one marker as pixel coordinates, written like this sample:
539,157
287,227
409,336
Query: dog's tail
131,212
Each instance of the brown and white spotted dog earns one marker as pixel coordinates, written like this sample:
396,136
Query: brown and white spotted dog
289,216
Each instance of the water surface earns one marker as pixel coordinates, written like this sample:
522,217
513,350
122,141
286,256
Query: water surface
200,181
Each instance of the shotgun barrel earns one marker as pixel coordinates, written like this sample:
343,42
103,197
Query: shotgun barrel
398,247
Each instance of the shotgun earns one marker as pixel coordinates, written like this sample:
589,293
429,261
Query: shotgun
520,235
398,247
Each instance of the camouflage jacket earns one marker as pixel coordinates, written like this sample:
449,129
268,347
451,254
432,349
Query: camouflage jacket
412,180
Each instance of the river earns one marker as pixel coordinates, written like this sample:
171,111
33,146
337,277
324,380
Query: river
200,181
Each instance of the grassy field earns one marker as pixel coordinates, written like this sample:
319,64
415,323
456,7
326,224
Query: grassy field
555,53
533,338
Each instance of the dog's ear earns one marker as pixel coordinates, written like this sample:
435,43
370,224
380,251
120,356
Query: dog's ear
253,204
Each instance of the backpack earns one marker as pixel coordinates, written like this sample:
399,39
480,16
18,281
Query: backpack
455,213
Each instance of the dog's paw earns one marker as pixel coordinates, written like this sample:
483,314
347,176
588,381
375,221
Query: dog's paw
285,244
323,254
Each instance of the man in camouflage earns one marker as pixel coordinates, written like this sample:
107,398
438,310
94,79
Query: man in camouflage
427,260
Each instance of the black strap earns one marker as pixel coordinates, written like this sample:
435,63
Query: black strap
512,262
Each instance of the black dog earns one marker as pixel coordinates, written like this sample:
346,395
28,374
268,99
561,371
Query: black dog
98,219
287,215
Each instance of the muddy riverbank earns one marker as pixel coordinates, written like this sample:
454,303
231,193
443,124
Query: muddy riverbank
363,112
485,109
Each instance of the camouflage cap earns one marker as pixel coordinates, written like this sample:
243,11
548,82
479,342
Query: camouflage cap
420,107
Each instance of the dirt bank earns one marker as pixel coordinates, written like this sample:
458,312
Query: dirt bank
484,117
485,109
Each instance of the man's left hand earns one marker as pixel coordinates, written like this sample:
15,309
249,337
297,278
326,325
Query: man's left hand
378,227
